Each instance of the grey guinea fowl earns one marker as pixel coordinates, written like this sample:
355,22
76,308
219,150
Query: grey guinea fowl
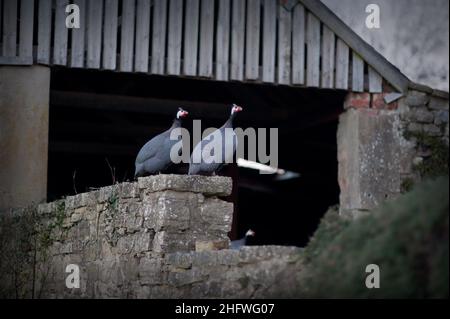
154,156
236,244
203,161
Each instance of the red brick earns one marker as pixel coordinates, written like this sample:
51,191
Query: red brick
357,100
378,102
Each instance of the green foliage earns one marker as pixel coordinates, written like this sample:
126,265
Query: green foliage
406,238
330,226
113,202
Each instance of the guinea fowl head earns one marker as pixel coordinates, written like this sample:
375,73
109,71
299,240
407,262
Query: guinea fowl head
235,109
250,233
182,113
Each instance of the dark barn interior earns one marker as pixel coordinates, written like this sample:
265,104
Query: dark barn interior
99,121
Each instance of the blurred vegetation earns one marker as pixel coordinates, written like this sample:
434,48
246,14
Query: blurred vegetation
25,238
407,238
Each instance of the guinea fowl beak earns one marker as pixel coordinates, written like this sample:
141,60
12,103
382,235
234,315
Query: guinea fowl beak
184,113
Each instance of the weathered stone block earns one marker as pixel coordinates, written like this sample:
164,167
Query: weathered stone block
135,243
151,271
441,117
205,245
179,260
421,115
217,214
129,190
415,128
172,242
187,277
208,185
417,98
437,103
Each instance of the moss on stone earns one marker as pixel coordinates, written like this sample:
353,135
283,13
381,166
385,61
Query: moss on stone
437,163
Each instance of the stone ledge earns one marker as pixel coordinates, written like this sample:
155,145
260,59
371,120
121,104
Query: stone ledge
207,185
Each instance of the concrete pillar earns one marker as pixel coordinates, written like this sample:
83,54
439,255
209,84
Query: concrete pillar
371,156
24,116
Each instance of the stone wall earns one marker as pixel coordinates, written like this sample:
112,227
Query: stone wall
162,237
379,144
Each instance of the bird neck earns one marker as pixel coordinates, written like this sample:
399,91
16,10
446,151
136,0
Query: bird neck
229,122
176,123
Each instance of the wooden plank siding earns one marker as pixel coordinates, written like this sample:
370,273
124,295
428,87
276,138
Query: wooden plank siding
143,18
313,51
127,35
298,45
269,41
237,40
190,46
26,29
206,38
110,34
357,73
342,65
9,28
174,37
284,45
328,53
223,41
252,40
375,81
77,50
44,31
94,33
262,41
61,33
159,36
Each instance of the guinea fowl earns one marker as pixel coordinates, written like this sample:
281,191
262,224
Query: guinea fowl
154,156
203,159
236,244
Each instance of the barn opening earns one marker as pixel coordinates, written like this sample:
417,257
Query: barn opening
99,121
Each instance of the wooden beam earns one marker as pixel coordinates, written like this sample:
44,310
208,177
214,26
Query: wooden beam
16,60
